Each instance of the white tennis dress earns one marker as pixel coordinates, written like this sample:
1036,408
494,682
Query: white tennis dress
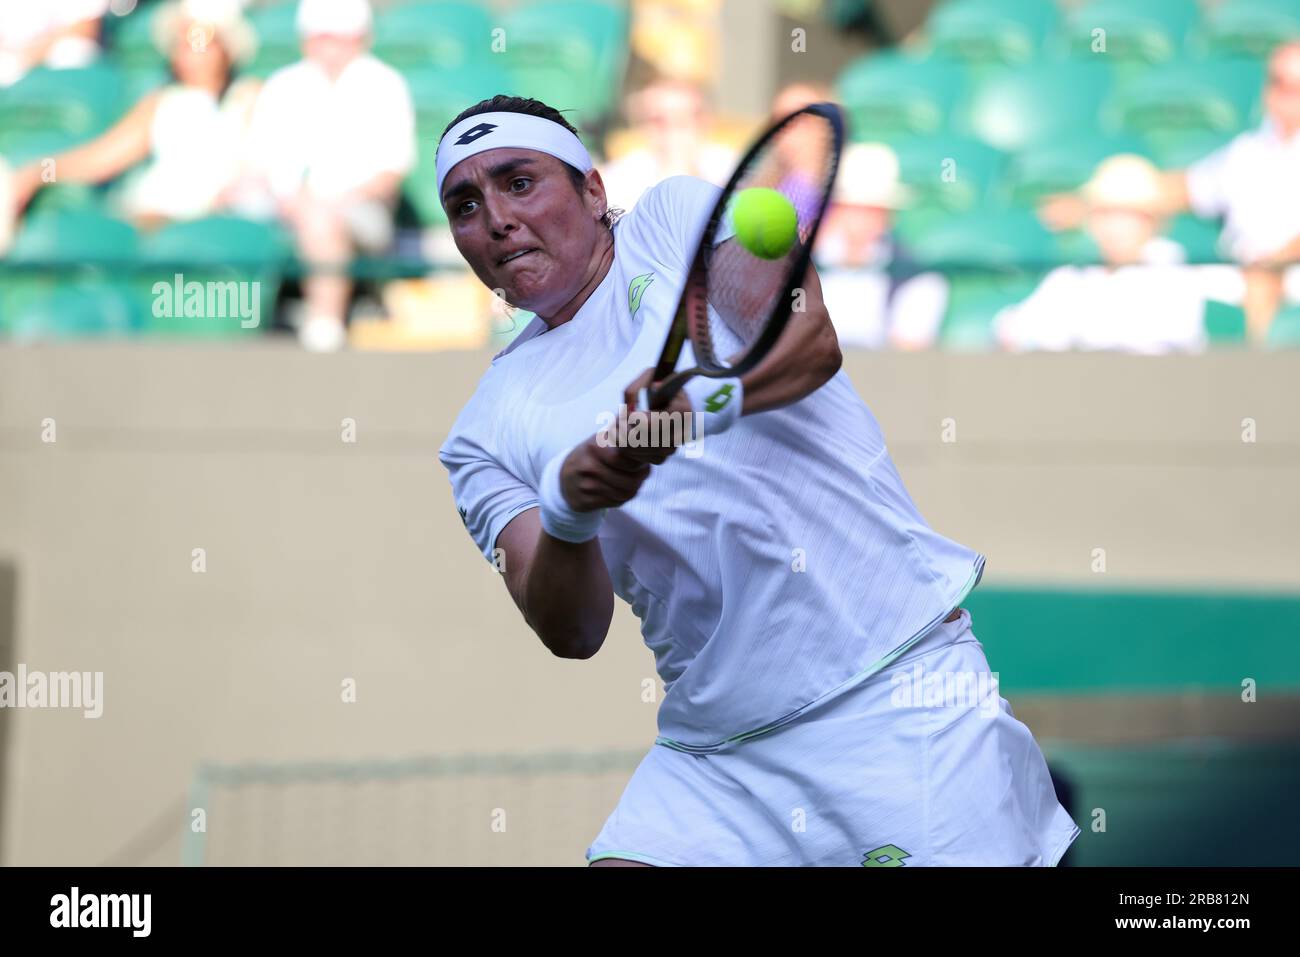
774,568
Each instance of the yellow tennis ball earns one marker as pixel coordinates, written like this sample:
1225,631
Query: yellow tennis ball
765,222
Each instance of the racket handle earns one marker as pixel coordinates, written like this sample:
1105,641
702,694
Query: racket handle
658,397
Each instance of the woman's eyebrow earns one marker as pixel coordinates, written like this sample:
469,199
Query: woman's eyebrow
494,172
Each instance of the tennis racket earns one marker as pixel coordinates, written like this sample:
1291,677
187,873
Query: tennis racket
735,304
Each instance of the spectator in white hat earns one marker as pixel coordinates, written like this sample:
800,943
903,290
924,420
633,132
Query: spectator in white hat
877,296
183,142
333,137
1143,298
1249,184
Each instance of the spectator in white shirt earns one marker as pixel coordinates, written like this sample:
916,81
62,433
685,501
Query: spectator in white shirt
1251,183
1143,299
333,136
60,34
875,294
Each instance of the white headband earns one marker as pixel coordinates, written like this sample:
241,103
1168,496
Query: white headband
494,131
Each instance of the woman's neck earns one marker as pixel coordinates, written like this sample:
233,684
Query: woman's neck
570,308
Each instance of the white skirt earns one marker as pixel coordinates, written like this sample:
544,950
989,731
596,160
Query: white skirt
923,763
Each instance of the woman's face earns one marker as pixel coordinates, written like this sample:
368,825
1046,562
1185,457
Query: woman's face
523,228
198,56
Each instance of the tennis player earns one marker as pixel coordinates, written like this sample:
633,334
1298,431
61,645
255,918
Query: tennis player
796,603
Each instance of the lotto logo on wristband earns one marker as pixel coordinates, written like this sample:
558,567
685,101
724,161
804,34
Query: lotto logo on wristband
718,401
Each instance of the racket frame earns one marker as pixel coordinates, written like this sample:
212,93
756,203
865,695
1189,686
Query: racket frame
693,305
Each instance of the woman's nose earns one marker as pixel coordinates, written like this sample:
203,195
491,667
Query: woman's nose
499,219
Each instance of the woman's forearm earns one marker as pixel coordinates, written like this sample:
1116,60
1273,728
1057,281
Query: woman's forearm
568,598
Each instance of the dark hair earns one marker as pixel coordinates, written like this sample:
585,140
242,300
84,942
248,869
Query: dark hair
530,107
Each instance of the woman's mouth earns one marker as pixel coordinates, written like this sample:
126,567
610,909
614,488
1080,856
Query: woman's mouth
515,255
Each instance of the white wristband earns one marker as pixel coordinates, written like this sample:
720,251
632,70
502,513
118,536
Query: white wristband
559,519
715,402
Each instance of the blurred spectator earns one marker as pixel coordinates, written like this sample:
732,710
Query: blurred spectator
333,137
1144,299
875,294
1251,183
61,34
671,119
192,130
801,151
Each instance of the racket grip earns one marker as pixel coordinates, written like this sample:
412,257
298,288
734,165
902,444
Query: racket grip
657,397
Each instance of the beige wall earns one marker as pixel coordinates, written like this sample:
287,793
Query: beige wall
328,561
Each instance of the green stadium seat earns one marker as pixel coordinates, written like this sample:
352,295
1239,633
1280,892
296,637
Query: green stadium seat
973,303
20,146
80,103
71,196
991,31
1062,164
1199,237
948,172
219,241
446,34
219,249
570,54
278,44
440,94
37,311
1153,31
992,258
61,248
1248,28
136,83
1217,96
1284,333
1035,104
131,40
1225,323
888,95
1177,149
983,240
914,222
72,238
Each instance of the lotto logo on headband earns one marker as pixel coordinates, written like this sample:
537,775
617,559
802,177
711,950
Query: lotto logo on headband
475,133
509,131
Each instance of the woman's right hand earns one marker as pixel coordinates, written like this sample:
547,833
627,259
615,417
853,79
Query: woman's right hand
598,474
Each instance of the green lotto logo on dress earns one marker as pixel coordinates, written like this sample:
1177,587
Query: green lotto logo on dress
891,855
634,290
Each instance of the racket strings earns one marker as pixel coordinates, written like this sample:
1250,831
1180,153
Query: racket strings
741,291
